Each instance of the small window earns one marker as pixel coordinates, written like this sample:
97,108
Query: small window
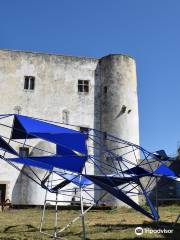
83,86
29,83
65,116
23,151
105,90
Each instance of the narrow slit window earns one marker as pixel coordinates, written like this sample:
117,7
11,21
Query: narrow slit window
65,116
32,83
83,86
26,83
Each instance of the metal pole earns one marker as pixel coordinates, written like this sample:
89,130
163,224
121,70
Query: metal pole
157,196
82,215
43,212
56,217
44,208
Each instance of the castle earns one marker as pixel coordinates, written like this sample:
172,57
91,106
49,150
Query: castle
87,92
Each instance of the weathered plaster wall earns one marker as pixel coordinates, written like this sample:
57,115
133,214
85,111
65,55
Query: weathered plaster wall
56,90
56,79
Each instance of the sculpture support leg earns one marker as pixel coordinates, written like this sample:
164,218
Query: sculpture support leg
82,215
56,218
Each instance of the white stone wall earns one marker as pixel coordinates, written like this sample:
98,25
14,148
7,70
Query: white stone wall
56,90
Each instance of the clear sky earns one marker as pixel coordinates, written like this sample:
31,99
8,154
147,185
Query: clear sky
149,30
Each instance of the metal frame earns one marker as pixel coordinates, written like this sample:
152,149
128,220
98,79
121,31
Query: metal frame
56,230
116,167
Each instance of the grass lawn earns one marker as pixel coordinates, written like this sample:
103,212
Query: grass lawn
110,224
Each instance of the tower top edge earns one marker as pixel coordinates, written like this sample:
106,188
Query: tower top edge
118,55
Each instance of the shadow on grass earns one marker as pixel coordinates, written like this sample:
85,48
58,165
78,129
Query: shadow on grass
101,228
28,228
24,228
152,226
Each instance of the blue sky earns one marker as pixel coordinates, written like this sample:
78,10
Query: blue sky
149,30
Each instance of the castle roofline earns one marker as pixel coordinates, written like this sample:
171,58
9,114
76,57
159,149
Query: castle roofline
50,54
63,55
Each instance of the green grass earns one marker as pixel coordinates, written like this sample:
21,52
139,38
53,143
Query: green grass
108,225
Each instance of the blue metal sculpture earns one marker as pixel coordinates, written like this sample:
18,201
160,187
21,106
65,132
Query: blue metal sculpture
123,169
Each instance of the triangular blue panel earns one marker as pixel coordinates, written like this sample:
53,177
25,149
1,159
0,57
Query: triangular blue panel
26,127
31,162
76,179
70,163
32,125
6,147
76,142
121,196
164,171
60,150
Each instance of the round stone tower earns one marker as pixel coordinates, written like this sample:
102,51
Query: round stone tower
119,102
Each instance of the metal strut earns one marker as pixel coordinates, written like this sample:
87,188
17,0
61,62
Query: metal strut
57,231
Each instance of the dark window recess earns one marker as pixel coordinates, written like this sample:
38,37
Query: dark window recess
32,83
84,129
23,151
29,82
65,116
2,193
123,109
26,83
105,135
83,86
105,90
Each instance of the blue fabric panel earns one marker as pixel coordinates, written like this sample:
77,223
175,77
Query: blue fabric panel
30,162
113,181
137,170
164,171
71,163
60,150
122,197
75,142
68,138
32,125
76,179
5,146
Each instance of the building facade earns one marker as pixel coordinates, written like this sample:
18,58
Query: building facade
87,92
